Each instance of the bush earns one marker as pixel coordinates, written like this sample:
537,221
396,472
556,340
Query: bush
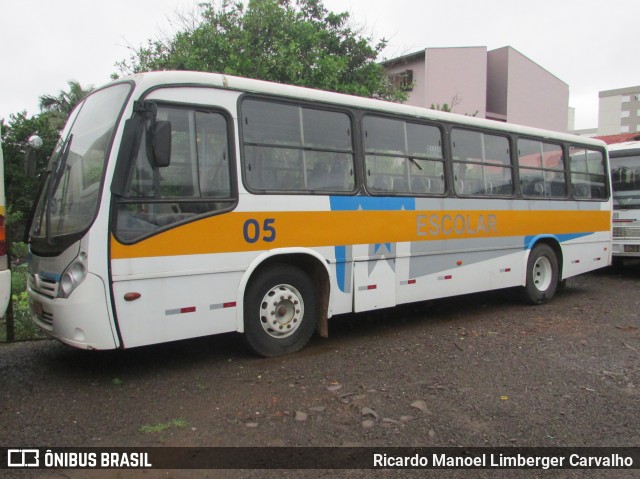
24,328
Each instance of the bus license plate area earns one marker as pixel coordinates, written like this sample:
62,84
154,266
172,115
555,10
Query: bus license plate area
632,248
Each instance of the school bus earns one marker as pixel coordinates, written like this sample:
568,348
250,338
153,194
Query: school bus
183,204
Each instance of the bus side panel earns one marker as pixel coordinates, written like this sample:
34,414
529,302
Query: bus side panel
586,254
178,298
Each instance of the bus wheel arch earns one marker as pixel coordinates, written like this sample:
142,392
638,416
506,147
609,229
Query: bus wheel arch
543,271
302,276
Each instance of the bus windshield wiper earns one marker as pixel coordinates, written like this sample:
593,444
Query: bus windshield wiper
55,171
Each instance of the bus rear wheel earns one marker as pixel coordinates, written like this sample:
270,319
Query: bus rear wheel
542,275
280,311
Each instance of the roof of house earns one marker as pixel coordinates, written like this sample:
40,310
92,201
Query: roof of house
620,138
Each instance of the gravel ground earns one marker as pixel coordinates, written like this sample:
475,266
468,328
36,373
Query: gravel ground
477,370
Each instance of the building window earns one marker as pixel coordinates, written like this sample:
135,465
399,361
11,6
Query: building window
402,80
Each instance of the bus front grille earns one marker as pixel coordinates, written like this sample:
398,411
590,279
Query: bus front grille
45,287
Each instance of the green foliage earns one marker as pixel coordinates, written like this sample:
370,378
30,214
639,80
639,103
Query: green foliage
65,101
19,251
295,42
444,107
21,185
61,105
24,328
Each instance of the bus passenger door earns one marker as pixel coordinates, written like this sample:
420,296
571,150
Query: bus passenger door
375,278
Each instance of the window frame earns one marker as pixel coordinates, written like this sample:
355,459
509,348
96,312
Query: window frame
511,166
565,168
354,151
606,172
232,200
404,120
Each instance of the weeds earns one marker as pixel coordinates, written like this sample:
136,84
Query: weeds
24,328
151,428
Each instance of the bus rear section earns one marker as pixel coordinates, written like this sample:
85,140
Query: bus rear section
625,177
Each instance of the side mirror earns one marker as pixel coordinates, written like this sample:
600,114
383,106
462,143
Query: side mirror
161,144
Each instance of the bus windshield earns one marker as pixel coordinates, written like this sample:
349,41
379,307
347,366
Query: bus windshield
69,199
625,175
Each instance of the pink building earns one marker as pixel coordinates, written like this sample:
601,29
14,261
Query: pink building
501,84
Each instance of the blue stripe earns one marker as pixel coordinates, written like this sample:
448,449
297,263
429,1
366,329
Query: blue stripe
55,277
372,203
364,203
529,241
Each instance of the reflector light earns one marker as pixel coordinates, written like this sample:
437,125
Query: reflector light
132,296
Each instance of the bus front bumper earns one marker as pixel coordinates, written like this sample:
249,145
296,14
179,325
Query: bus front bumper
81,320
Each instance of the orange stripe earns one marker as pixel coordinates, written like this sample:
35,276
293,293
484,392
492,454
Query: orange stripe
226,233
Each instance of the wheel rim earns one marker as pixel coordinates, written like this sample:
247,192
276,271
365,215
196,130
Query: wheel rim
542,273
281,311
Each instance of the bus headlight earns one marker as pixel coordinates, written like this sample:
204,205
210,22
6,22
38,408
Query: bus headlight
73,276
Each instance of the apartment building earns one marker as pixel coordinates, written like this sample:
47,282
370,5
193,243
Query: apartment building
501,84
619,111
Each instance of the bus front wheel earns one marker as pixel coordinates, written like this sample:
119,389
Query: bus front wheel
280,311
542,275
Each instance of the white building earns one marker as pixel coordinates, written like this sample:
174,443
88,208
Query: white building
619,111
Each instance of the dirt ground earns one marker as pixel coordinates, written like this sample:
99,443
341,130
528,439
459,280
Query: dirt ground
477,370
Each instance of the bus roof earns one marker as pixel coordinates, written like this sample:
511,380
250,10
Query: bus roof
149,80
627,148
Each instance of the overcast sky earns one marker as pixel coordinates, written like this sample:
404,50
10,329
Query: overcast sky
592,45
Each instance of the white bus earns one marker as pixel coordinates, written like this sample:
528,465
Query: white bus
625,176
5,272
182,204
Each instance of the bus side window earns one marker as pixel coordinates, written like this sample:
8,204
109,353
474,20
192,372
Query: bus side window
588,176
481,164
197,181
403,158
288,148
542,170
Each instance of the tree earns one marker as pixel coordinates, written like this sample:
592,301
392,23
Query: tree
20,186
62,105
65,101
298,42
446,107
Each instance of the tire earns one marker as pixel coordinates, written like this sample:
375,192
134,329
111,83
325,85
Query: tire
280,311
542,275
